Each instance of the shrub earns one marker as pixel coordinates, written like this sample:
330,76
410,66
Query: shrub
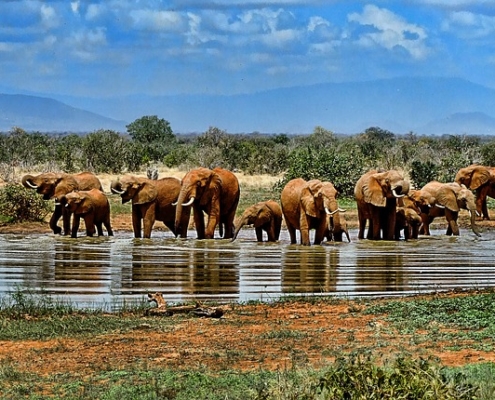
18,204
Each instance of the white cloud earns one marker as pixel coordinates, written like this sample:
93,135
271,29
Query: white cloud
469,25
49,17
391,30
156,20
74,6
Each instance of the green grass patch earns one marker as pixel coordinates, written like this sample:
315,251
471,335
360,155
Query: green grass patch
348,378
469,317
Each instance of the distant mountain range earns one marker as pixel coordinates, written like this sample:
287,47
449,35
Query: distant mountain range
34,113
422,105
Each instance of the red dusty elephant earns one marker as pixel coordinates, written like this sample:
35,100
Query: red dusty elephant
264,216
214,193
481,179
55,186
91,205
152,200
376,194
438,199
408,218
309,205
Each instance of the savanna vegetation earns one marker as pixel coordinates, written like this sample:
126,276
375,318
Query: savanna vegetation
150,141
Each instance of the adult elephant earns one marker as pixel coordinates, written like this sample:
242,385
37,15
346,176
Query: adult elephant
308,205
438,199
91,205
376,194
214,193
152,200
481,179
265,216
55,186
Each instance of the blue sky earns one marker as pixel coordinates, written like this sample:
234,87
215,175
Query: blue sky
119,47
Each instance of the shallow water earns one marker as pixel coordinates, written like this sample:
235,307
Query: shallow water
104,271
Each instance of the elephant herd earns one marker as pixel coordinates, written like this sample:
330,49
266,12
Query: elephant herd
386,204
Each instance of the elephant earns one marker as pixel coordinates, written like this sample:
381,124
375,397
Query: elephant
308,205
265,216
408,220
376,193
481,179
337,228
214,192
55,186
437,199
93,206
152,200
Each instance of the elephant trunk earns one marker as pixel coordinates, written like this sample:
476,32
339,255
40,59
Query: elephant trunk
27,182
116,188
238,228
473,222
180,204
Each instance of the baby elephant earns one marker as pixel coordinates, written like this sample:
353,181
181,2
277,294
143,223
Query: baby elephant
93,206
407,219
265,216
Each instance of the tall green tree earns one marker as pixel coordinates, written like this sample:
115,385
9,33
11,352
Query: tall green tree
155,135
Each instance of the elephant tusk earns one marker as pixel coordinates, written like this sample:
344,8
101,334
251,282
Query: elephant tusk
121,192
397,195
478,214
439,206
333,212
175,203
191,200
31,185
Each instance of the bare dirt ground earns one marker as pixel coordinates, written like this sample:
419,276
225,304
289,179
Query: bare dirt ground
248,337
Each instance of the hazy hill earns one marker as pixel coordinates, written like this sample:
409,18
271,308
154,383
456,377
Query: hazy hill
401,105
33,113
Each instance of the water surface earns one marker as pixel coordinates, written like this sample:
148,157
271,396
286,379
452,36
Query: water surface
107,270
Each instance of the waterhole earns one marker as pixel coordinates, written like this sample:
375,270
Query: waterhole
105,271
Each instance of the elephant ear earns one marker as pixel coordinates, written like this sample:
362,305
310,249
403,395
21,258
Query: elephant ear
263,215
64,183
373,193
145,192
309,194
85,203
479,177
446,197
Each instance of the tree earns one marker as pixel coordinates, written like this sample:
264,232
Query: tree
155,135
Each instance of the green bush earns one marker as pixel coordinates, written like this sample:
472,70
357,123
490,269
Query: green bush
18,204
406,378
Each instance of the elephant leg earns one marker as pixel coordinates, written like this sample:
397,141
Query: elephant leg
320,232
229,228
57,213
259,234
211,225
453,228
148,212
136,221
362,225
99,228
66,215
199,222
108,227
304,229
75,225
90,225
271,232
481,204
375,226
292,233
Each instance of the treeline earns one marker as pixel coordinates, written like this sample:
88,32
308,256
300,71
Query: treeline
150,141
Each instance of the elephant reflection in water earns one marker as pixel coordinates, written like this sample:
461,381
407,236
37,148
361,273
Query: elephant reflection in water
381,273
310,270
81,270
197,270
